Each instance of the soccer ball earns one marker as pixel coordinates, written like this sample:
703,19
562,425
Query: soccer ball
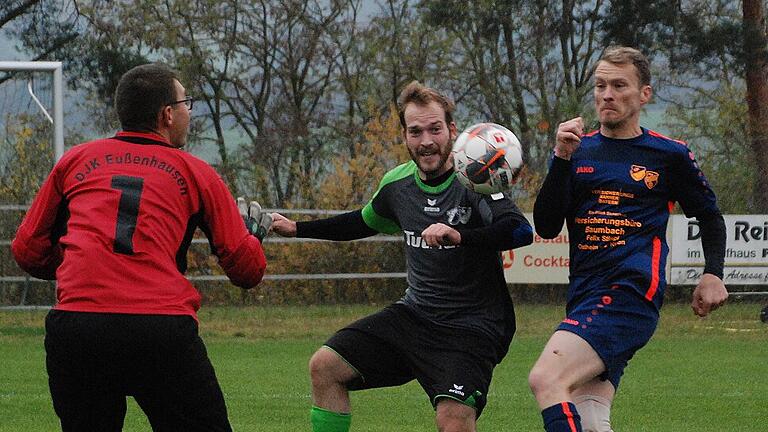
487,158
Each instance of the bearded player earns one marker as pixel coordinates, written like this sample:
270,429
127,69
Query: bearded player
455,322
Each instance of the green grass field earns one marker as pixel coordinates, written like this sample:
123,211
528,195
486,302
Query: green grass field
695,375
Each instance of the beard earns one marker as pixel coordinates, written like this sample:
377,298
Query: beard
615,123
612,124
432,170
178,137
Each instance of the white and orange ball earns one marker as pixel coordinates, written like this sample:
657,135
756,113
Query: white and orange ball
487,158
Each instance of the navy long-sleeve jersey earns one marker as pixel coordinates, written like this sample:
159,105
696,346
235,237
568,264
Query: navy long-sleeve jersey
615,196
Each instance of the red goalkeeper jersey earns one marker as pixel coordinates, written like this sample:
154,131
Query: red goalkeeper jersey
113,221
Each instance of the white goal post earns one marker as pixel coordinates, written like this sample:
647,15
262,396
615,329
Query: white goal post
58,95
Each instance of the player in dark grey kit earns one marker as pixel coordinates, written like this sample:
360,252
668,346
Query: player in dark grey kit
456,320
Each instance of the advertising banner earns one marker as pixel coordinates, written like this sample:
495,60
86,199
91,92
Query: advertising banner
544,261
746,251
746,254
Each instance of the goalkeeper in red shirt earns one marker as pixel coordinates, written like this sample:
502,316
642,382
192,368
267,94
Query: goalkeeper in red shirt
112,224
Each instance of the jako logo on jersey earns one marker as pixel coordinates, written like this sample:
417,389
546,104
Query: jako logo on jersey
585,170
570,321
459,215
412,240
430,208
457,389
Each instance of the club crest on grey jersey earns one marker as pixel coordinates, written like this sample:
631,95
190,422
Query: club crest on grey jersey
459,215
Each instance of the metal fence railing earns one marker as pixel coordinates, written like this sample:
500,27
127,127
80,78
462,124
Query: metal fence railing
25,282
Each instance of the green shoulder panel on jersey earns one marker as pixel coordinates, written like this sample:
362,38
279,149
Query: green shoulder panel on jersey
374,220
408,169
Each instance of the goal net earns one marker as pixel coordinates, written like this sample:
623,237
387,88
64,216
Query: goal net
31,139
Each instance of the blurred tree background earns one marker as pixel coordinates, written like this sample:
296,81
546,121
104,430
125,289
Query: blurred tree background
296,97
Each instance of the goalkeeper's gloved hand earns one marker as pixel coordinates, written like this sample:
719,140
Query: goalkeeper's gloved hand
257,222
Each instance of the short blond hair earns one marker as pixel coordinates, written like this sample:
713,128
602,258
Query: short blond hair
621,55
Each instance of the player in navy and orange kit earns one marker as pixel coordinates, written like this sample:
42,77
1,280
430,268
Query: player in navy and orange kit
112,224
615,188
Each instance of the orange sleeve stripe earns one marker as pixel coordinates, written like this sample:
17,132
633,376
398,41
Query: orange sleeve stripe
658,135
655,258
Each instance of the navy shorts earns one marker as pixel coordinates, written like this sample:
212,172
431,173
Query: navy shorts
616,323
395,346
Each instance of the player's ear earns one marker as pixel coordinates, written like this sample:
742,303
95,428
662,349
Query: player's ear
165,118
645,94
453,130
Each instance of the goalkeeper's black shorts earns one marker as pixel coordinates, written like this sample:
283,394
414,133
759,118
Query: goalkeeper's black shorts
95,360
394,346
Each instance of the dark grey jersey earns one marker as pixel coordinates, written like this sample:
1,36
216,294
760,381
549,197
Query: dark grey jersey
455,286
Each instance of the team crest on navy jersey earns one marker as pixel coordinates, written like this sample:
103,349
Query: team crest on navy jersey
651,179
637,172
459,215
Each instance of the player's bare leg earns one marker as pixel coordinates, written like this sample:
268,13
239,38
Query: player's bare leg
566,363
453,416
329,373
330,397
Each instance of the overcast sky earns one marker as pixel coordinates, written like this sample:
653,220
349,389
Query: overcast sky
652,116
7,52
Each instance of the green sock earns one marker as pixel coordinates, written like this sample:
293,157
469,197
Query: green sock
328,421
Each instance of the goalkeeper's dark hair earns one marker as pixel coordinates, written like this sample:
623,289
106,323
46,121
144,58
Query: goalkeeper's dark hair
142,93
417,93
